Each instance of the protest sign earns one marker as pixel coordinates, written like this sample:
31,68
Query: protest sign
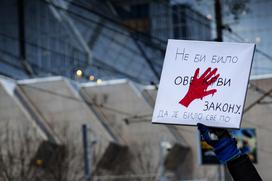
203,82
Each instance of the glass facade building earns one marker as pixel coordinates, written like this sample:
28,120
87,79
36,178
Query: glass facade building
106,41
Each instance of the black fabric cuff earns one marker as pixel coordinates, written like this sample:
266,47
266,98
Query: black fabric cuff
242,169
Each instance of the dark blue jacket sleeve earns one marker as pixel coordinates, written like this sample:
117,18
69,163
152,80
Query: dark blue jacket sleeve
242,169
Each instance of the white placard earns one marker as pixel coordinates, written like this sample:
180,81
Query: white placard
203,82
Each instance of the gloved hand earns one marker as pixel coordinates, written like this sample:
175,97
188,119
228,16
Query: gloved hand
225,147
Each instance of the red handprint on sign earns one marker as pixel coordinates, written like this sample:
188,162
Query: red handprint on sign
198,86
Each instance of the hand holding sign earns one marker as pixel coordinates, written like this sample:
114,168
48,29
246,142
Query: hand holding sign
225,147
198,86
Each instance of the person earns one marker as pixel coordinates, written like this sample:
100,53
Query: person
225,148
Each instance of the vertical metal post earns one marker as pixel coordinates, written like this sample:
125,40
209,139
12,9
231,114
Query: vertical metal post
21,37
218,19
87,153
21,28
219,173
223,172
